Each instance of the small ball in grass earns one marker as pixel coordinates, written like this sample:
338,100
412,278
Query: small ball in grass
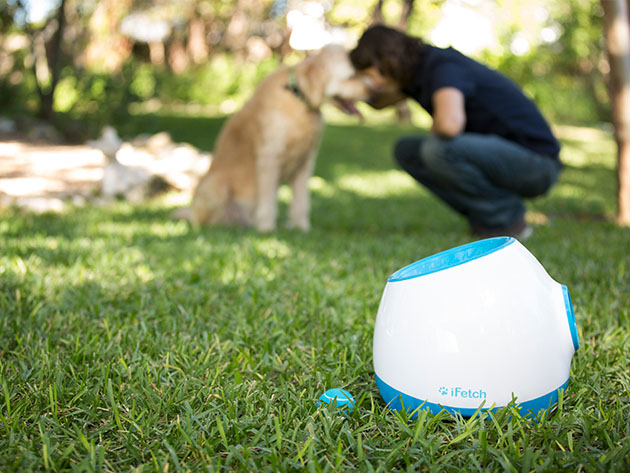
341,397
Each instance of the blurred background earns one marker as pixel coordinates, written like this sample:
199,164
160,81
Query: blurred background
85,63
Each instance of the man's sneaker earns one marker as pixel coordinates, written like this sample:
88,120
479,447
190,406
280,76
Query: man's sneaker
525,233
520,230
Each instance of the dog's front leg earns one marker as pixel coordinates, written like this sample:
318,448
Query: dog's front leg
300,203
267,181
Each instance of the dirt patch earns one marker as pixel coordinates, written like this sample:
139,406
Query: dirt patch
45,170
43,176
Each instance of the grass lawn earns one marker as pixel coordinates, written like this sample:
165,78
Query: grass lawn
129,342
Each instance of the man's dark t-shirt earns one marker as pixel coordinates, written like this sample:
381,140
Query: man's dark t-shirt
494,104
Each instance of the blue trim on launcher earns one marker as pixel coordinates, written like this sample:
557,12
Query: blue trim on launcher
396,399
571,317
449,258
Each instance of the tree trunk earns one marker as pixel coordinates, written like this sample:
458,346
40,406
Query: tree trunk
377,14
197,46
46,97
405,14
177,57
107,48
237,31
617,29
156,53
403,113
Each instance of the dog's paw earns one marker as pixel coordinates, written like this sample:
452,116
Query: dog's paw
183,213
303,225
265,227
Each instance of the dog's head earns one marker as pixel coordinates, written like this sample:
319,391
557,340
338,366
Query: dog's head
329,74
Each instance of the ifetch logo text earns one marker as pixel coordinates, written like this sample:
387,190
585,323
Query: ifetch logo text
462,393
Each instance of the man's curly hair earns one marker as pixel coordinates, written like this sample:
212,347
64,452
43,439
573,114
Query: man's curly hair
394,53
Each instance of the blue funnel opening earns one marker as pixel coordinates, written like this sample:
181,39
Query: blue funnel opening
449,258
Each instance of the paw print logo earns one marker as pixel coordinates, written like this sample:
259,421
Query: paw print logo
443,391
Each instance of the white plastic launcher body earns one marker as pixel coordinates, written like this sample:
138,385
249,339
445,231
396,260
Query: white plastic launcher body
476,326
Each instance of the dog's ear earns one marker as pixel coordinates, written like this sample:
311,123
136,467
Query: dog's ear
312,80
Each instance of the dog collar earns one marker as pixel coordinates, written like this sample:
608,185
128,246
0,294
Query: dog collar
292,85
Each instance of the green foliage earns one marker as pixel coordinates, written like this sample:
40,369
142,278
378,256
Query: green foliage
563,77
17,88
222,78
143,83
97,98
132,342
105,98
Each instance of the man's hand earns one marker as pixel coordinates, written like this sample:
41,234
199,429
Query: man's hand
449,114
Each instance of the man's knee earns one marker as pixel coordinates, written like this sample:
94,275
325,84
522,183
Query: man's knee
407,150
540,182
434,151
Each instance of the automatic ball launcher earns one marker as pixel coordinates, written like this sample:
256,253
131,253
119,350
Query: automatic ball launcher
481,323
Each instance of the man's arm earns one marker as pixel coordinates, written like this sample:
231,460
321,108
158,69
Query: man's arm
449,114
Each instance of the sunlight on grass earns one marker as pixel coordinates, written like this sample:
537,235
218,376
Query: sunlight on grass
583,146
144,273
587,184
273,248
164,229
569,191
285,194
321,187
377,184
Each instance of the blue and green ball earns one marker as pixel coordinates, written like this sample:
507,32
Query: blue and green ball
339,397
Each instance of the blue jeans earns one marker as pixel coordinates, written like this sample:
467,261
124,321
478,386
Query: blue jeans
483,177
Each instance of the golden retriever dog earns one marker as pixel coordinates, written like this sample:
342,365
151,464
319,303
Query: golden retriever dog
274,139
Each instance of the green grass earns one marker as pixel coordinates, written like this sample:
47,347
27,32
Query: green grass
129,342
